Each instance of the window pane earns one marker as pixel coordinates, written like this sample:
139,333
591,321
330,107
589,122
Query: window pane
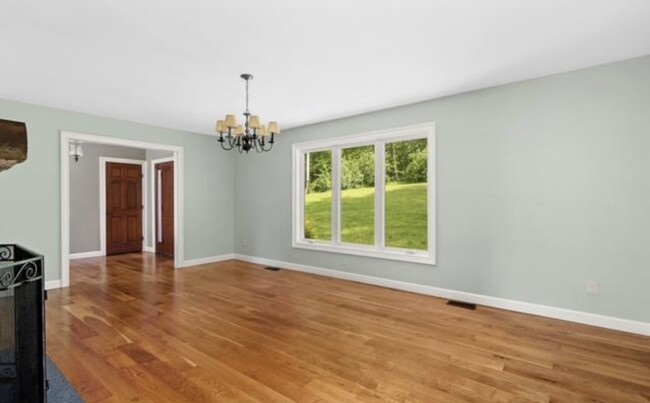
358,195
318,195
406,194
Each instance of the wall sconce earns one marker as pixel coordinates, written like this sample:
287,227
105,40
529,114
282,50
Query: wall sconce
76,150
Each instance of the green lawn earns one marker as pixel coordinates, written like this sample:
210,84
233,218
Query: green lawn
406,215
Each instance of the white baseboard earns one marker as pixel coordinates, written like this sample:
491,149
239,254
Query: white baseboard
586,318
50,285
206,260
149,249
84,255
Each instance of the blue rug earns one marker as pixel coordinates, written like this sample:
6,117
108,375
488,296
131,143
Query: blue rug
60,390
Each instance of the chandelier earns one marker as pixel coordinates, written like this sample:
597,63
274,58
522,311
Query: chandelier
251,135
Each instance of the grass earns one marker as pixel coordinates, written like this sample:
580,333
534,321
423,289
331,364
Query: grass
406,215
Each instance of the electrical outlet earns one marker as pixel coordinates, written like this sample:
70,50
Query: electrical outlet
244,242
593,288
344,262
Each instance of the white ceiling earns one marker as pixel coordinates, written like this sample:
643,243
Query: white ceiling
177,63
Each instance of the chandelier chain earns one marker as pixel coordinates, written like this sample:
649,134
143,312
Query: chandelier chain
247,111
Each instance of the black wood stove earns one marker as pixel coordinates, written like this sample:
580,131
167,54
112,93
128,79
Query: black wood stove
22,326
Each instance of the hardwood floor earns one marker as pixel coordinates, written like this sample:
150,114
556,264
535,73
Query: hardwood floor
131,328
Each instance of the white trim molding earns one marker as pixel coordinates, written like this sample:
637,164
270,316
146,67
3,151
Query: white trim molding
586,318
208,260
102,198
178,153
86,255
50,285
377,139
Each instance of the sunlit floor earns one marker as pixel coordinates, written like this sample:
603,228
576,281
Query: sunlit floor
131,328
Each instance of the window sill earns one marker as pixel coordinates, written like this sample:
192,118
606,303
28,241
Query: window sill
421,257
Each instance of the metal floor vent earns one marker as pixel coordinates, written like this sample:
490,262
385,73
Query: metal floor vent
271,268
461,304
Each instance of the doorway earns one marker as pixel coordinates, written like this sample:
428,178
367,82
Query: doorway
175,153
163,182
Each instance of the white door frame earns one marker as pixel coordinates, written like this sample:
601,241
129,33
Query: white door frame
152,207
102,199
179,228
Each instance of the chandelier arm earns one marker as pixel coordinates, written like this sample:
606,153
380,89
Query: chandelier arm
262,146
258,145
230,144
222,141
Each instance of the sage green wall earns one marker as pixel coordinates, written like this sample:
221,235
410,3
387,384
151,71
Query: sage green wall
542,185
30,197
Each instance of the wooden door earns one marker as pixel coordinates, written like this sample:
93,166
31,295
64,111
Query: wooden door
164,176
123,208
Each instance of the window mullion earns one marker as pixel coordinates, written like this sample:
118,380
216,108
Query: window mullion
336,195
380,187
299,188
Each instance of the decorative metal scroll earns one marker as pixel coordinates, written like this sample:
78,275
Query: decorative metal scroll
7,371
6,252
27,272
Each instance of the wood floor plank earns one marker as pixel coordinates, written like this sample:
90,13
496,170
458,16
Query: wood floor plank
131,328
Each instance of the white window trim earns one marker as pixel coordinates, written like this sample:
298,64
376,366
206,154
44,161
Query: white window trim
378,138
